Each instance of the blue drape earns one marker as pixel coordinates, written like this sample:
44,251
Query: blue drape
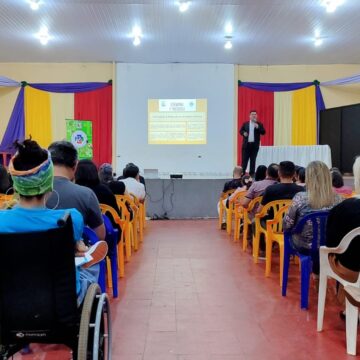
70,87
4,81
16,126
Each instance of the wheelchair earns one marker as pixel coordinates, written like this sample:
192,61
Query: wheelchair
38,301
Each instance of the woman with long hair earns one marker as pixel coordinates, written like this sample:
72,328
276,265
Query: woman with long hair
319,195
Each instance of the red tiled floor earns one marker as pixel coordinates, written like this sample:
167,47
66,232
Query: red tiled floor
190,293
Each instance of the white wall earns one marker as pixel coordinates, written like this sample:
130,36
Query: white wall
136,83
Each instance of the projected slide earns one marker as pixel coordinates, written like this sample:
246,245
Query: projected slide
177,121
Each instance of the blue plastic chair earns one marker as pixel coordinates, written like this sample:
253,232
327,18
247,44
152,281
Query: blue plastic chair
112,236
92,238
318,221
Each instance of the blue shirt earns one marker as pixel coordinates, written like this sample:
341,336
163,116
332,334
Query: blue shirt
19,219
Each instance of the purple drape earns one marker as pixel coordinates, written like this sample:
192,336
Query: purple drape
70,87
4,81
275,87
16,126
355,79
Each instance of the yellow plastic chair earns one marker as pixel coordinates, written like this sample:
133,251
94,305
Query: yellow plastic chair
121,258
223,196
7,201
275,206
247,219
130,233
230,211
139,217
274,233
135,220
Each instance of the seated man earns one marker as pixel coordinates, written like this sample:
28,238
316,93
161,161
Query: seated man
68,195
286,189
236,181
31,170
132,182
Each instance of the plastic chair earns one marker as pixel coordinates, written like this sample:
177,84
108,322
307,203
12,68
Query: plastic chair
223,196
318,222
352,315
111,238
135,204
92,238
129,227
106,209
231,210
247,220
275,206
326,271
274,233
238,217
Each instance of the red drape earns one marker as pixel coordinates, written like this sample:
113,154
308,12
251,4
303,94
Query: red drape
97,106
263,103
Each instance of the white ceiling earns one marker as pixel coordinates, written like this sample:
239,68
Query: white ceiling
265,31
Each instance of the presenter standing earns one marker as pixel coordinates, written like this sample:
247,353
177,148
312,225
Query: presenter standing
251,131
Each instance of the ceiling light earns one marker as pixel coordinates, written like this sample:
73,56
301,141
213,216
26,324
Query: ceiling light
184,5
331,5
228,29
318,41
136,35
137,41
34,4
43,35
228,45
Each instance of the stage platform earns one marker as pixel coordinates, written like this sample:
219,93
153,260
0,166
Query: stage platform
183,198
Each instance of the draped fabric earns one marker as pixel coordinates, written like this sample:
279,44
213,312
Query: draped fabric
282,118
4,81
354,79
70,87
97,106
304,122
275,86
16,126
62,108
38,116
263,103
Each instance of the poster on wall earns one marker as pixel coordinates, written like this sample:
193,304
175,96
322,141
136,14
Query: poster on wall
79,133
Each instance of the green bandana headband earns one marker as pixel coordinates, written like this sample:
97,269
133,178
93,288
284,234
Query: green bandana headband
36,181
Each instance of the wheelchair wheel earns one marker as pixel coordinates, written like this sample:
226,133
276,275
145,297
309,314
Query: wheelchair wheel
95,326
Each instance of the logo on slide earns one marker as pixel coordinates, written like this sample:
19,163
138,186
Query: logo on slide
79,139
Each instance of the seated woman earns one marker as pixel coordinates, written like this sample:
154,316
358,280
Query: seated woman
319,195
338,183
300,176
32,171
260,173
342,219
107,178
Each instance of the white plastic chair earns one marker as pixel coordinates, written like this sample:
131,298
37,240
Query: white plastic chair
326,271
352,315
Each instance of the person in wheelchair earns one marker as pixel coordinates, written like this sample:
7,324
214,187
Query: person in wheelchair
31,170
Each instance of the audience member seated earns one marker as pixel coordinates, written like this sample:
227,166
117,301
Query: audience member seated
32,173
338,183
68,195
123,176
5,181
286,189
106,176
342,219
300,176
132,183
258,187
260,173
87,175
236,181
246,182
319,195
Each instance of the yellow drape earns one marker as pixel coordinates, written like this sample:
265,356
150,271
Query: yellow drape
62,108
38,116
304,117
283,118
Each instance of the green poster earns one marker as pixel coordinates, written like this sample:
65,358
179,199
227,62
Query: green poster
79,132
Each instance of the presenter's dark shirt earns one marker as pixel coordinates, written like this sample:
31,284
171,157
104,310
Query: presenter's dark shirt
343,218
